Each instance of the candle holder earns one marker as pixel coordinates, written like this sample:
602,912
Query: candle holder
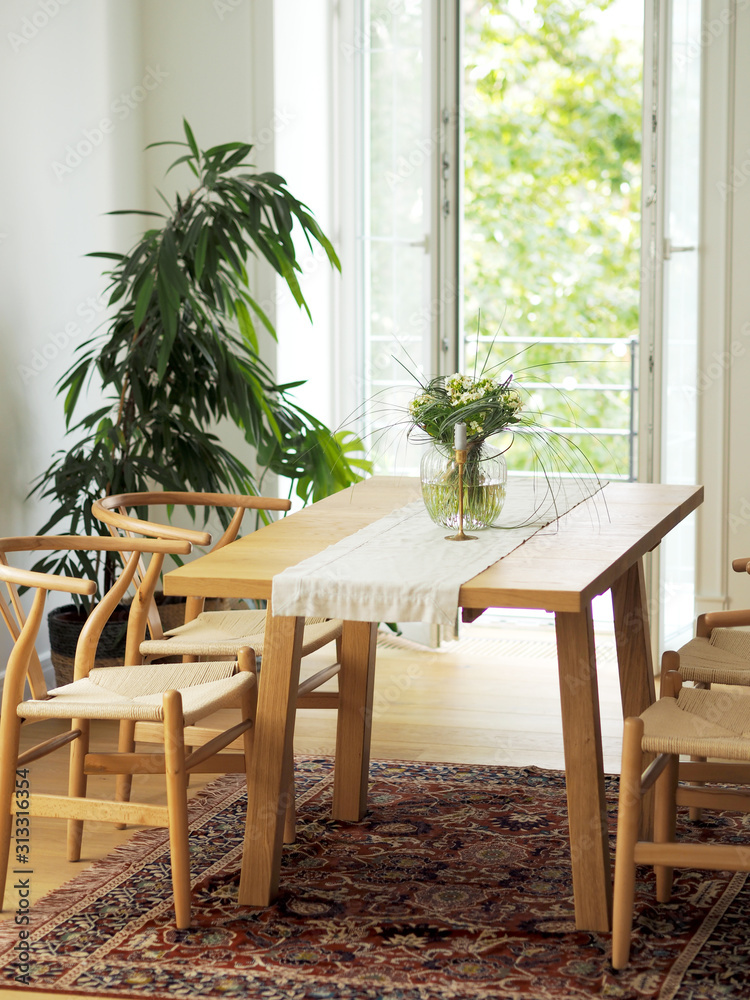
460,536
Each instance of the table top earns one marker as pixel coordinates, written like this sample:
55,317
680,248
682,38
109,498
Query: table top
561,568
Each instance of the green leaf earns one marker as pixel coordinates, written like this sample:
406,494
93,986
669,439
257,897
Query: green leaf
200,252
229,251
143,300
237,157
217,152
246,324
169,268
166,142
287,272
191,139
187,158
260,313
76,384
129,211
168,315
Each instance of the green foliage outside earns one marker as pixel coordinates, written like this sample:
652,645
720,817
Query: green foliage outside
552,207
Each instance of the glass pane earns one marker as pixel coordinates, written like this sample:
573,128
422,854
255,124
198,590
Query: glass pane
680,336
551,237
395,227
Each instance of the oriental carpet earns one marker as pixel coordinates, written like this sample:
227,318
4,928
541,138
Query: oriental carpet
456,886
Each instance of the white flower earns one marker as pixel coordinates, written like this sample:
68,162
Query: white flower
418,402
514,399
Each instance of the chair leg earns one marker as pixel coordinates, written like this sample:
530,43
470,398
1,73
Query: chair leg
246,661
77,784
665,821
248,705
671,661
124,782
174,752
290,818
9,738
695,813
628,821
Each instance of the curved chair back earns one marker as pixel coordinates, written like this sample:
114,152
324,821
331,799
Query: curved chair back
24,662
115,512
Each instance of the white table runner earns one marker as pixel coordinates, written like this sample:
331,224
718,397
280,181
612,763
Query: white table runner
400,568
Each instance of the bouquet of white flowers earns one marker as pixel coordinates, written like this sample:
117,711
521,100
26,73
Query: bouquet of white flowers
483,406
486,405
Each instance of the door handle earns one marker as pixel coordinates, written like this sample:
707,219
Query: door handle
669,248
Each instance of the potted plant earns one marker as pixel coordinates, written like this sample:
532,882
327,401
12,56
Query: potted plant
179,353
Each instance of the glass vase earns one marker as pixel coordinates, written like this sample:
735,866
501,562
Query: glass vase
485,476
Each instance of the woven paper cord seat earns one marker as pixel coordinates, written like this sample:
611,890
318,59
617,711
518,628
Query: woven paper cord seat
135,693
721,658
222,633
699,723
720,651
695,722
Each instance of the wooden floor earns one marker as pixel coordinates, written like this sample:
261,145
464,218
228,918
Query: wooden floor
489,698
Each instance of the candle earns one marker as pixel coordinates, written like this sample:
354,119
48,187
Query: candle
460,437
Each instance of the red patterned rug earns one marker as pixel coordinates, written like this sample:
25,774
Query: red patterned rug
456,886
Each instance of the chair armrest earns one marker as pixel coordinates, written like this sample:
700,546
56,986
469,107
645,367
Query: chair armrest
741,565
47,581
720,619
92,543
186,499
112,511
124,522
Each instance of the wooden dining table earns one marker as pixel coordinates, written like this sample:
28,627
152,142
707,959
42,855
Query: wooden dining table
597,546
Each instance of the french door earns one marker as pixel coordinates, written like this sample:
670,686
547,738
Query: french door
670,282
529,200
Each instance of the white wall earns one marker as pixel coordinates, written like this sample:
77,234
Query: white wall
67,73
206,49
69,158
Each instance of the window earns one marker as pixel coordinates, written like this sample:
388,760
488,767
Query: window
394,233
532,193
539,106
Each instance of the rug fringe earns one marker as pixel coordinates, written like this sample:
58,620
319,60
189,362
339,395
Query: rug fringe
676,974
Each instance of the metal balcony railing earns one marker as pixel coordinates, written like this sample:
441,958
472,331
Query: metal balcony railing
630,344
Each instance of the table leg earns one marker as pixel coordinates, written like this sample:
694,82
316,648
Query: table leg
633,640
584,770
356,678
272,760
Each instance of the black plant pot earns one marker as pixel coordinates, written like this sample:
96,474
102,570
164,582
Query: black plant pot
65,626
